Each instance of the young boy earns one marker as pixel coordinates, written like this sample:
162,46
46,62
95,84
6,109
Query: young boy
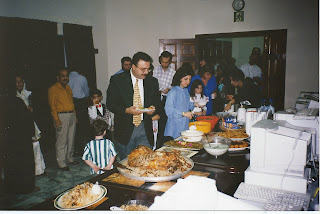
99,153
97,110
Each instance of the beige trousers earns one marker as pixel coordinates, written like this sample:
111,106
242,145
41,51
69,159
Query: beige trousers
65,139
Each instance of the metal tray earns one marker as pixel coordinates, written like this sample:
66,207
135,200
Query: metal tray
156,179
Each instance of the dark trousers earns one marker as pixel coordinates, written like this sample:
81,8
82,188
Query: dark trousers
162,124
83,126
138,137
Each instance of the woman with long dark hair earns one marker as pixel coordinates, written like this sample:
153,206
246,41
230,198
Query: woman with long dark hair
178,106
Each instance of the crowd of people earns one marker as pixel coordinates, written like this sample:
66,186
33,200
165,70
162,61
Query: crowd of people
144,106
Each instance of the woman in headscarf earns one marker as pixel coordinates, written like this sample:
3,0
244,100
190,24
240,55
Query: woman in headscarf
25,95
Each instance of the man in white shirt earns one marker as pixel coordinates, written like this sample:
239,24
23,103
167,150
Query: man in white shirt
252,70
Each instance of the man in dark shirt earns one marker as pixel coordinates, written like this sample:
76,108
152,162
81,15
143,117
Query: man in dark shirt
247,90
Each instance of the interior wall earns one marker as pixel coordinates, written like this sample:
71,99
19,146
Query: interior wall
242,48
123,27
138,25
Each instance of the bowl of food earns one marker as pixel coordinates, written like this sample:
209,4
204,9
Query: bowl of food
135,205
217,146
191,135
203,126
211,119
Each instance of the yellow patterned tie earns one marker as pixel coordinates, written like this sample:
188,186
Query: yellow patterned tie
136,103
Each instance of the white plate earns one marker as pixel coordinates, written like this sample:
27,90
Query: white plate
57,200
237,149
238,139
146,110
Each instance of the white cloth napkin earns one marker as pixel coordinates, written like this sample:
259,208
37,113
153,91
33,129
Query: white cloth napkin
197,193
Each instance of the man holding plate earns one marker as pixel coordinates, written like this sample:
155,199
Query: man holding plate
133,98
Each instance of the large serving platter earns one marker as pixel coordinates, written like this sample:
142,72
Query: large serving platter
155,179
184,146
57,201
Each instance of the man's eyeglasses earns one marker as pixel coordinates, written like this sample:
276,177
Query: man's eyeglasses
145,69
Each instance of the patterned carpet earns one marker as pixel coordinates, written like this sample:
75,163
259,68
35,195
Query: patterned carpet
52,184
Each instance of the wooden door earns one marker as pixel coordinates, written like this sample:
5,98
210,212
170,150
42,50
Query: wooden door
274,66
183,50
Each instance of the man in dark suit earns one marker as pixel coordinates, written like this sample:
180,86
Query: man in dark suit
127,93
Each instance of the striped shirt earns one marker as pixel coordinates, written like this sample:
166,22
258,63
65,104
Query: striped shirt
99,152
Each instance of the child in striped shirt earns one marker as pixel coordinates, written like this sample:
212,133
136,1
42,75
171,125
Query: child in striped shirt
100,152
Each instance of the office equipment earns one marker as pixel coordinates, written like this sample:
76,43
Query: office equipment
311,126
252,116
273,199
307,114
278,156
305,98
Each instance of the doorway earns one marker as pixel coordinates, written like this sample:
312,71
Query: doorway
273,57
182,50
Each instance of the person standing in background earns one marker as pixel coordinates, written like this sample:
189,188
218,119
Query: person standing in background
202,62
164,74
18,158
125,65
64,116
80,90
25,95
252,70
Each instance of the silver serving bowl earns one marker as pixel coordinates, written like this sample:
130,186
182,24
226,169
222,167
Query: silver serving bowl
156,179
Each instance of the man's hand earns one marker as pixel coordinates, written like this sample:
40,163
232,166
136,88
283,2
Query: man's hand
228,107
30,108
58,123
133,110
165,91
229,97
151,112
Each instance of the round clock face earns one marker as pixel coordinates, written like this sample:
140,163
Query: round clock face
238,5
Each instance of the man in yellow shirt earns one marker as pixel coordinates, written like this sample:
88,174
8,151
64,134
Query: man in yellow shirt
64,116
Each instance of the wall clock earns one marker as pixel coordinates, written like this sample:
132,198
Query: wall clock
238,5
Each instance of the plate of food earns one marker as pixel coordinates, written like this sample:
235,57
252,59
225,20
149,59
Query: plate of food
184,152
146,109
234,135
79,197
238,146
135,205
184,144
147,165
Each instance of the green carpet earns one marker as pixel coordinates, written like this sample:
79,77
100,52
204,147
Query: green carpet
50,185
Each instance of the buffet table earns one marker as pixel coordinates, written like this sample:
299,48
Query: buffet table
227,170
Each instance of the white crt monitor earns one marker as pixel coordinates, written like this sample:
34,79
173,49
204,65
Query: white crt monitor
277,149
